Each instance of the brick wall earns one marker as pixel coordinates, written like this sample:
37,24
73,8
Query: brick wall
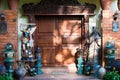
11,36
108,34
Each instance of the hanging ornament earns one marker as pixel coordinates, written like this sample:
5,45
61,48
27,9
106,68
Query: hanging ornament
115,24
3,24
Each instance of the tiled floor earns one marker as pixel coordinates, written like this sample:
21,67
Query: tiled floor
59,74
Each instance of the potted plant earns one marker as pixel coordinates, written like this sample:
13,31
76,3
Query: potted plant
112,75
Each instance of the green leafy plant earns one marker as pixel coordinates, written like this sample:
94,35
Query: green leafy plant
6,77
112,75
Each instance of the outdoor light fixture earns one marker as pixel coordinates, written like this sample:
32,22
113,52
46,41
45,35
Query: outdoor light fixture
115,24
3,24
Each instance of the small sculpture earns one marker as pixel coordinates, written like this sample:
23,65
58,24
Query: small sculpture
27,41
109,54
87,70
77,55
9,59
80,65
38,60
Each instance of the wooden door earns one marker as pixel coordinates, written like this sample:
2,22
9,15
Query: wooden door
58,36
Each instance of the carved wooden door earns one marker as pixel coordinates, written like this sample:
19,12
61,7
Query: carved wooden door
58,36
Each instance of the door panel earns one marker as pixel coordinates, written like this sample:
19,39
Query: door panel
48,54
74,39
45,39
58,37
46,26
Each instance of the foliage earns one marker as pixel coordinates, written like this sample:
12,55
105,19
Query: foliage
112,75
6,77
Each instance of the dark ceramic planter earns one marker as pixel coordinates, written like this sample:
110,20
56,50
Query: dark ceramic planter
20,72
13,4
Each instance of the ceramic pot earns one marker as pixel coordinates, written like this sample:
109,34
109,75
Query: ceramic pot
20,72
118,4
105,4
13,4
2,69
101,72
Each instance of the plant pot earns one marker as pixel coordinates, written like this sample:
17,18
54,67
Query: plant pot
105,4
101,72
13,4
20,72
118,4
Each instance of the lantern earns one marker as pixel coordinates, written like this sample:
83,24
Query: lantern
9,58
38,60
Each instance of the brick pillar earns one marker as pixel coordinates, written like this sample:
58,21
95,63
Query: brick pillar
108,34
12,35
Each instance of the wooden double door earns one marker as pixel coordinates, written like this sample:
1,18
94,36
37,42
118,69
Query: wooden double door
58,36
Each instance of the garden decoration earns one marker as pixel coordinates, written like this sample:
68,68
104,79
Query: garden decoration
77,55
116,64
32,71
27,41
94,48
3,24
2,69
101,72
20,72
96,67
115,24
87,70
38,60
94,57
109,54
28,47
80,66
9,59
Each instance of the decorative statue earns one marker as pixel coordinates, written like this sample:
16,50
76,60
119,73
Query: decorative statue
9,59
94,57
27,45
38,62
109,54
27,41
77,55
95,46
80,65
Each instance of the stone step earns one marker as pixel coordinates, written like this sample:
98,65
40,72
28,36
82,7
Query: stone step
58,73
55,70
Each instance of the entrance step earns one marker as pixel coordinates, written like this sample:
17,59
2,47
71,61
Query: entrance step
55,70
58,73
